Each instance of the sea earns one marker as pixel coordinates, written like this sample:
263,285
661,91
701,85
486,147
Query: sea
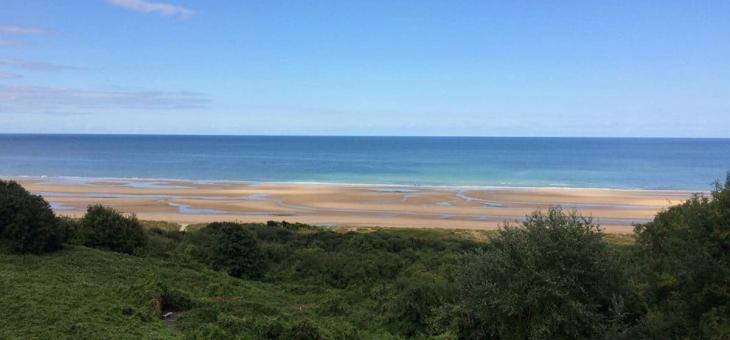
622,163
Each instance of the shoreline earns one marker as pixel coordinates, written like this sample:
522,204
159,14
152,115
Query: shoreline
346,205
351,184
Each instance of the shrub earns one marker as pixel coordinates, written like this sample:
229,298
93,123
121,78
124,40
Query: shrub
27,220
233,249
551,277
70,228
302,330
416,297
104,227
686,250
10,194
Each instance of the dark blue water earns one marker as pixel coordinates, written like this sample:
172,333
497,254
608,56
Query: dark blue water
691,164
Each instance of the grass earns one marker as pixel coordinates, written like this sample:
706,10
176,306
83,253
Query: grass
620,239
342,280
81,292
163,225
87,293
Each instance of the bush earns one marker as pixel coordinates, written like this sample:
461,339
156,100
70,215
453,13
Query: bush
104,227
27,220
70,228
686,250
233,249
302,330
416,297
552,277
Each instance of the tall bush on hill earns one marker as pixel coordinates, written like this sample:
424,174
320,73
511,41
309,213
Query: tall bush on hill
229,247
104,227
550,278
686,249
27,220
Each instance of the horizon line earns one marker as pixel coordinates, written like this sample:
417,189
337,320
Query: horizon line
344,136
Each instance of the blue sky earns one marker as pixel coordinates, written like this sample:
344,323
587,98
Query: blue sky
477,68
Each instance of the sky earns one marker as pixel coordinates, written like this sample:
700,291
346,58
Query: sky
429,68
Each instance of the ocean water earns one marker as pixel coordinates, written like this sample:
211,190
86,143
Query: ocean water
686,164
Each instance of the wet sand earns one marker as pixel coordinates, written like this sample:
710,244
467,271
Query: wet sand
189,202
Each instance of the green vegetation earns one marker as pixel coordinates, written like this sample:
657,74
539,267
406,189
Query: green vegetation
686,268
106,228
231,248
553,276
28,220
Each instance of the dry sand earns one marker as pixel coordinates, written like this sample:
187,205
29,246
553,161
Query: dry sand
189,202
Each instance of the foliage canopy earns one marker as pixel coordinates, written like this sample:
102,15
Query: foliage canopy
686,252
229,247
27,220
104,227
551,277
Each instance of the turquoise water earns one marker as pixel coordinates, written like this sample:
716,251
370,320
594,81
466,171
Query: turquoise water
688,164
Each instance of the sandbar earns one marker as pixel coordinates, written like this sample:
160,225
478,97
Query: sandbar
345,205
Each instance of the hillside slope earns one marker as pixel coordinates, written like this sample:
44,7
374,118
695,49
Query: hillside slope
87,293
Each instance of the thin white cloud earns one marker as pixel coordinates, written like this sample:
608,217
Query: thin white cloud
10,42
30,65
153,7
8,75
21,30
62,113
55,99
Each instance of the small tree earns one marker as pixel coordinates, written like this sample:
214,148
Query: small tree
229,247
104,227
550,278
686,252
28,220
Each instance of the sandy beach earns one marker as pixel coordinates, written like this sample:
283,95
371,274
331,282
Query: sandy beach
188,202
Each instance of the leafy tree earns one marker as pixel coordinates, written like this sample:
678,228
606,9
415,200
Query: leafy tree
550,278
229,247
28,220
686,249
104,227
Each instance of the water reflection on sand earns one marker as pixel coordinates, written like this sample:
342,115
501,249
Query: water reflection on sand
347,205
